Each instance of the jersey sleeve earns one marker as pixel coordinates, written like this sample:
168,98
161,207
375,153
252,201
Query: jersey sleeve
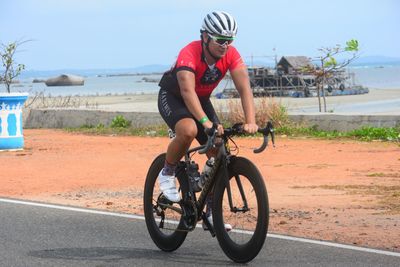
186,60
235,59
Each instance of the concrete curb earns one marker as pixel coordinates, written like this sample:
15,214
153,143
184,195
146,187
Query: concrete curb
344,123
59,118
63,118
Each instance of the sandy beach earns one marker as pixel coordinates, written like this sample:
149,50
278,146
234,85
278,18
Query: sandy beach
377,101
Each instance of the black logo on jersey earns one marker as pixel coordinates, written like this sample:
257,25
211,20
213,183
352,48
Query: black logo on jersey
211,76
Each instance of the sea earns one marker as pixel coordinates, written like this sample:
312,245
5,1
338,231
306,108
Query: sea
111,82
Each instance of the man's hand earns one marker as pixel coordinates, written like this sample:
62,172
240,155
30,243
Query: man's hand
250,128
209,124
220,130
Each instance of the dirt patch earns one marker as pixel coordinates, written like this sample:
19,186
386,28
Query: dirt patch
342,191
388,196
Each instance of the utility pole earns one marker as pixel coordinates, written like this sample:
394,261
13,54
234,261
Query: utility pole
276,57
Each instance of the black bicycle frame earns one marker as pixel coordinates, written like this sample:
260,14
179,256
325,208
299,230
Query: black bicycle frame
220,165
190,205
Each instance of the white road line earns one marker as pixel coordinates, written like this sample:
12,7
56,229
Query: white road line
131,216
60,207
336,245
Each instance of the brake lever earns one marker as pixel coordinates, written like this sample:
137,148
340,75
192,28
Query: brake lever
271,131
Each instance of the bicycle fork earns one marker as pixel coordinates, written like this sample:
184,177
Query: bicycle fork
226,177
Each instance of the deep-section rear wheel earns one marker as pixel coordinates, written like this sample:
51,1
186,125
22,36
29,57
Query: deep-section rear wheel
163,218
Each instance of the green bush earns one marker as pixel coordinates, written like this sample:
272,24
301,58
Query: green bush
365,133
120,122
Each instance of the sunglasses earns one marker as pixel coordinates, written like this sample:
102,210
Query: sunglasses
221,41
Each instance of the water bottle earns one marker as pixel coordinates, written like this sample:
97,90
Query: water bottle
194,176
207,170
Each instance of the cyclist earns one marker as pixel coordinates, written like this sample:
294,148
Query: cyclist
184,96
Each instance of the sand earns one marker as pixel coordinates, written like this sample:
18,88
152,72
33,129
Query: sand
148,102
335,190
376,102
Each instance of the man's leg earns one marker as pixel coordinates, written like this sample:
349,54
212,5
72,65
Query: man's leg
185,131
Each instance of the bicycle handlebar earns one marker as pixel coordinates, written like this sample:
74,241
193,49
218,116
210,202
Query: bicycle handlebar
237,129
211,134
268,130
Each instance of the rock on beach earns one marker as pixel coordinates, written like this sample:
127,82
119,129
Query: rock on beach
65,80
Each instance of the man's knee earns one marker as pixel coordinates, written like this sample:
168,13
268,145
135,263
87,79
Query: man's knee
186,129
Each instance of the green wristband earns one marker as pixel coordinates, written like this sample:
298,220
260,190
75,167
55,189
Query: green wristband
203,120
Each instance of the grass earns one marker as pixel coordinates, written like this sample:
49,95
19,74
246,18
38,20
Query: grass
363,134
40,100
267,110
100,129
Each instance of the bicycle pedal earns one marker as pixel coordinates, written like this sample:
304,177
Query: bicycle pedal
164,200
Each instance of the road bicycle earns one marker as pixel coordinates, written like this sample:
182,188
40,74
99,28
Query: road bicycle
239,198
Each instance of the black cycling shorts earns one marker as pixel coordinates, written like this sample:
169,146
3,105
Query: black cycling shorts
172,109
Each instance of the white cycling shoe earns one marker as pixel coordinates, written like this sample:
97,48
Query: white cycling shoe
168,187
228,227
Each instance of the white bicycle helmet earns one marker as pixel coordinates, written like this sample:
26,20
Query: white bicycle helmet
220,23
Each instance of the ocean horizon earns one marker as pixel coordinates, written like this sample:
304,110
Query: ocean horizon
127,81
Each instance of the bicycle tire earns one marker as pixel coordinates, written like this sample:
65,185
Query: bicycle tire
166,242
252,180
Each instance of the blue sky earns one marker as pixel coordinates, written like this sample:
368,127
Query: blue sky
95,34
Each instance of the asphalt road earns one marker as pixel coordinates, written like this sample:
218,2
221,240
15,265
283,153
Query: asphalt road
53,236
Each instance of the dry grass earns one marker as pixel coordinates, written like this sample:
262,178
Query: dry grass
40,101
380,174
267,109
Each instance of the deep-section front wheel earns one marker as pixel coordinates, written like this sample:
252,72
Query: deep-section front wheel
163,218
248,212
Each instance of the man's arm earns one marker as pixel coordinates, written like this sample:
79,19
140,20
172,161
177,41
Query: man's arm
242,83
186,80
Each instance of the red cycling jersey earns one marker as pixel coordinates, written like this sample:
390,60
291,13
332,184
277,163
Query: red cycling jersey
191,58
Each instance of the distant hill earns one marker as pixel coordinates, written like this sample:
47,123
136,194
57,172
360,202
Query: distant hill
362,61
155,68
151,68
376,60
369,61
